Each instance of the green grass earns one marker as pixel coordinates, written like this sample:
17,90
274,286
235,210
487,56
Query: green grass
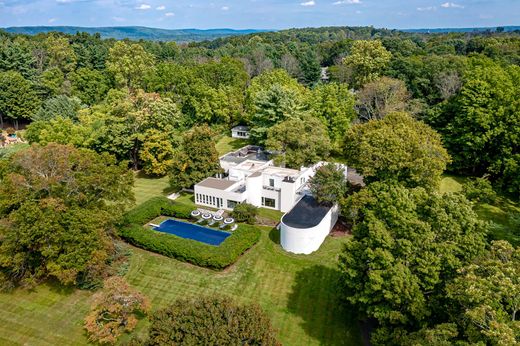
147,187
227,144
270,214
12,149
299,293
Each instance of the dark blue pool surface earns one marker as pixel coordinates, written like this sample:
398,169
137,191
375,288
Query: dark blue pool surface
191,231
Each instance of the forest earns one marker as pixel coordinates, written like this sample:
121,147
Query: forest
404,109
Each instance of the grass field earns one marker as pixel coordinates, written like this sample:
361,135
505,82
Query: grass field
227,144
298,292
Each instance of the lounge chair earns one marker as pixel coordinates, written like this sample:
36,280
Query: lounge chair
234,228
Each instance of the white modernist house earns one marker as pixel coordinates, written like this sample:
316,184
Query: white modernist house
250,177
254,179
240,132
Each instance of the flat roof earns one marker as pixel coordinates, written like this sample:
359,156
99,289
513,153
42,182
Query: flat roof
307,213
280,171
241,128
249,152
219,184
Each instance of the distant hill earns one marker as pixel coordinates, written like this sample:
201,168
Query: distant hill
446,30
137,32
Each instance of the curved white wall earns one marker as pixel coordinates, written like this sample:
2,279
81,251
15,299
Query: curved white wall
307,240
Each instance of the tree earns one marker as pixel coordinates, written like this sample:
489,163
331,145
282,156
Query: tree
487,296
272,106
114,311
18,100
59,106
157,153
481,125
329,185
298,141
367,59
90,86
129,63
196,160
406,245
245,212
58,208
211,321
333,103
378,98
60,53
396,148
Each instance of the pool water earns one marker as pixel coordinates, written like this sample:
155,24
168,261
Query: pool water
191,231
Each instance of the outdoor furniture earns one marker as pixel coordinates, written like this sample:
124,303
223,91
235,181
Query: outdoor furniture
195,213
234,228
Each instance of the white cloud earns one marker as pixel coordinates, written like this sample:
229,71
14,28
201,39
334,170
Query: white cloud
308,3
424,9
143,7
160,8
118,19
347,2
451,5
169,14
52,20
225,8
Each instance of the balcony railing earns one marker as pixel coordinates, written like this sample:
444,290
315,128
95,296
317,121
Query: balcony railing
271,188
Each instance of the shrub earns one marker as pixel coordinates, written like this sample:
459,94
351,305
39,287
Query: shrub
10,131
479,190
115,310
211,321
245,212
192,251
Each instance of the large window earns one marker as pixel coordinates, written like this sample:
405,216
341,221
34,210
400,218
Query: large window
268,202
271,182
231,204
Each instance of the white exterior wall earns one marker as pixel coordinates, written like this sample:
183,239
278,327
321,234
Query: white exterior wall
224,194
288,197
239,134
307,240
254,190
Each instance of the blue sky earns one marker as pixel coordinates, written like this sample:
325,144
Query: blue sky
262,14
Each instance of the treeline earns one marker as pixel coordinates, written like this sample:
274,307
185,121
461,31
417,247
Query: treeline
124,97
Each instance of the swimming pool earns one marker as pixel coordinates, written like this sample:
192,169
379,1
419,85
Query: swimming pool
191,231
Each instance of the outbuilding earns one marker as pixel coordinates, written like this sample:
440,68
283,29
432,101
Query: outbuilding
240,131
304,228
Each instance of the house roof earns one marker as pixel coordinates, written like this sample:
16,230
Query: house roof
240,128
307,213
214,183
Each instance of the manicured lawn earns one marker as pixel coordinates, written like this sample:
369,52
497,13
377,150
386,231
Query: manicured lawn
298,292
146,187
227,144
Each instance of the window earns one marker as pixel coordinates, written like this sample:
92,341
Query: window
231,204
268,202
271,182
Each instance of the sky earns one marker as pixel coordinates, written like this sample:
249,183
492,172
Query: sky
261,14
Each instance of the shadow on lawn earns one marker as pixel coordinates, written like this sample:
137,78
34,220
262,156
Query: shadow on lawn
274,235
315,297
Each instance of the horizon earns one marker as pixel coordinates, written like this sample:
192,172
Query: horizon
275,15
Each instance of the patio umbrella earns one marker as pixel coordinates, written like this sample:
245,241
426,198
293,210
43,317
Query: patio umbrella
195,213
218,218
206,216
229,221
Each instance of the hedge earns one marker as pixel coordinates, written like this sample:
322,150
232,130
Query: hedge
192,251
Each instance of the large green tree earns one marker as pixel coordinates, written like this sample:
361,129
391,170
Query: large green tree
333,103
58,206
129,63
298,141
196,159
18,99
397,148
367,60
481,126
407,243
211,321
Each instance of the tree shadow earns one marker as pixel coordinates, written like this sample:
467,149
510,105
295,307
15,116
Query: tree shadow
316,299
274,235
